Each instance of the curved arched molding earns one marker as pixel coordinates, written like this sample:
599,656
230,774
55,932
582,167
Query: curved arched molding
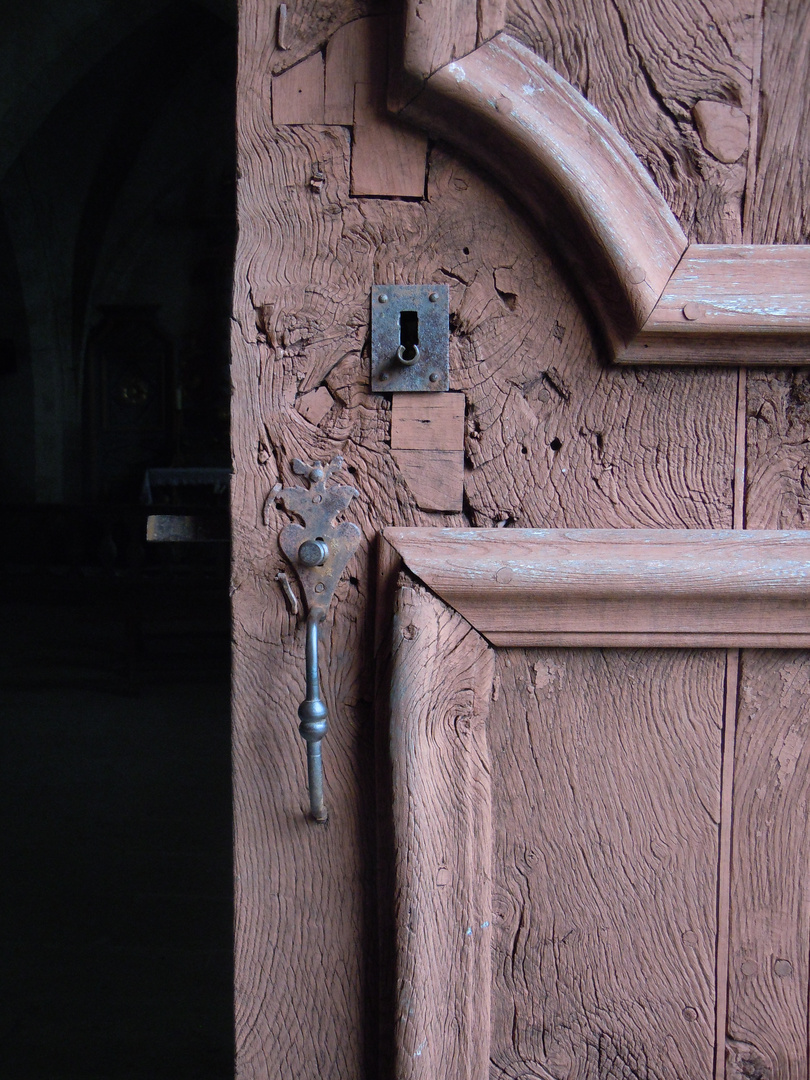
658,299
508,110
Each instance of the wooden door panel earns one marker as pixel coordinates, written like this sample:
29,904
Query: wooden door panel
606,810
770,906
585,887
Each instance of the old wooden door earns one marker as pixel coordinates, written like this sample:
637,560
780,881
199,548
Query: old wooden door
567,894
334,197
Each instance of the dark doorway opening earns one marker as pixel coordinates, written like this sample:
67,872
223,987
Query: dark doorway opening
117,228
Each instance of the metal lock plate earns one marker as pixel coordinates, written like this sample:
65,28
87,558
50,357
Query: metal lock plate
410,338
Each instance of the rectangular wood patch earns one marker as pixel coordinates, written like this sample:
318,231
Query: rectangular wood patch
388,158
298,93
435,478
427,441
427,421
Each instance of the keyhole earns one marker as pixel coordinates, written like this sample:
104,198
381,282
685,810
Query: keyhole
408,335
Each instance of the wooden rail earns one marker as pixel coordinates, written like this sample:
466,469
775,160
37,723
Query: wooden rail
619,587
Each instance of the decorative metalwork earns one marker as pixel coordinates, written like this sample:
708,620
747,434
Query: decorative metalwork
410,338
319,551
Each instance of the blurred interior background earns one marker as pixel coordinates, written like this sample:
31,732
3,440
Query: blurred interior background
117,228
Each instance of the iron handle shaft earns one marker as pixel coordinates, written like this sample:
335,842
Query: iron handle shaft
313,714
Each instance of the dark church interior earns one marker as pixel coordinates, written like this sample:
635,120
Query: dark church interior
117,230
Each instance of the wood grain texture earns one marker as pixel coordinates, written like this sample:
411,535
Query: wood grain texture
767,1020
606,773
427,421
388,157
778,413
782,194
725,304
298,93
731,304
770,909
300,973
645,64
440,694
570,168
491,19
778,423
619,586
724,860
553,438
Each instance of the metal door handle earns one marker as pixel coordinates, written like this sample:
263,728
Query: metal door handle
319,551
314,717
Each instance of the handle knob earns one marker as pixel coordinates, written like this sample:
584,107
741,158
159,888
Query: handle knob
313,553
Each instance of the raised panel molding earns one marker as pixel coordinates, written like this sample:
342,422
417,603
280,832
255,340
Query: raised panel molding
658,299
690,588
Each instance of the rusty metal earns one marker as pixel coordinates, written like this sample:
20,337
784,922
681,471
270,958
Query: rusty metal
287,589
410,338
318,506
319,551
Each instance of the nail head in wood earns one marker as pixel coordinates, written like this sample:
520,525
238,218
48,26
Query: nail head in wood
281,37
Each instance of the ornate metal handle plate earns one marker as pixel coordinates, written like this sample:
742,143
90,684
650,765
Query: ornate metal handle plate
319,551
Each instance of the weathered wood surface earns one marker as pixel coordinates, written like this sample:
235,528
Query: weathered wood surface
605,817
770,911
571,169
645,64
307,260
731,304
299,909
575,173
553,439
440,695
388,157
782,194
639,587
768,1014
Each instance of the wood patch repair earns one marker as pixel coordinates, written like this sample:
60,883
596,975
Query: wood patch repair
427,443
347,88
